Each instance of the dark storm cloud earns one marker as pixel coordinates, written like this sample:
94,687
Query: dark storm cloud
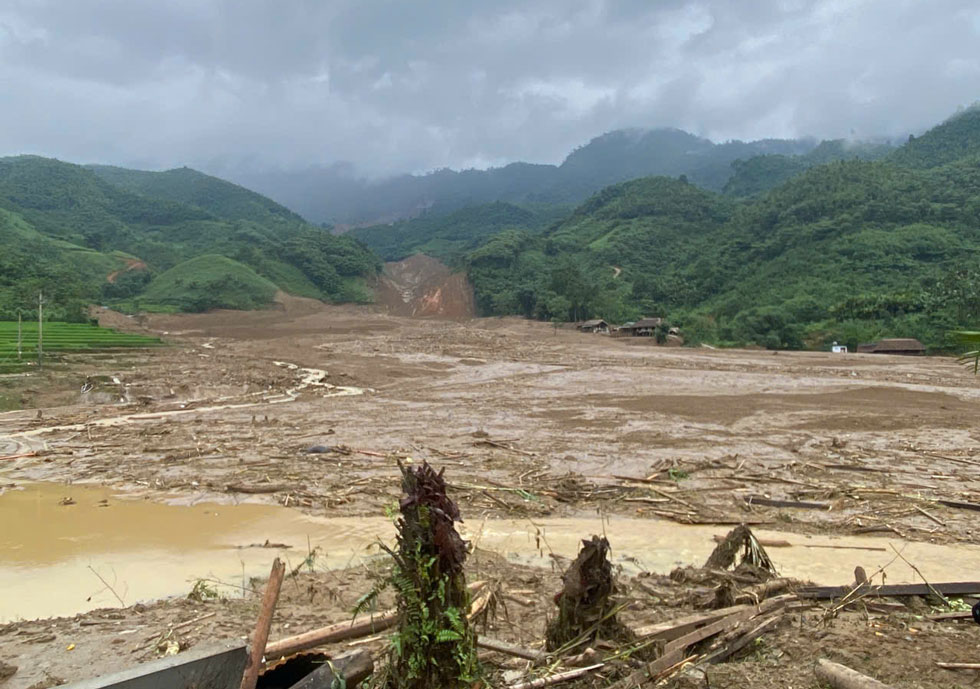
395,85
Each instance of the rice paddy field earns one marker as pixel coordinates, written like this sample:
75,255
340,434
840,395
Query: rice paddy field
59,338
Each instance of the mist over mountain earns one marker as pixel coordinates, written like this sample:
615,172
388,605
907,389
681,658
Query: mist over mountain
336,196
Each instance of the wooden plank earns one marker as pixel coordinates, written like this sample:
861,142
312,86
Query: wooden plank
261,634
680,626
952,588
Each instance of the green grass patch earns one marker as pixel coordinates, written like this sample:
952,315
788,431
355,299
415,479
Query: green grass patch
60,338
210,282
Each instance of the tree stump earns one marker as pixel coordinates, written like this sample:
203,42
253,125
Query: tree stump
585,604
434,646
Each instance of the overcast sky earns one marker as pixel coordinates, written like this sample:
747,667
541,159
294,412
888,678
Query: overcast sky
399,85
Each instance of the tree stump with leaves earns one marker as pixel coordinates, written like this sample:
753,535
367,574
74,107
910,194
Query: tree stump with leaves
434,646
586,607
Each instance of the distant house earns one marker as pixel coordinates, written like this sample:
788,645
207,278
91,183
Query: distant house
596,325
906,346
641,328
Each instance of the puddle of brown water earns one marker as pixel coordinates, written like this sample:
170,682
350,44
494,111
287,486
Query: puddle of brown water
147,550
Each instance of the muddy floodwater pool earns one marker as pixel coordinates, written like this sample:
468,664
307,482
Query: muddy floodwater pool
65,549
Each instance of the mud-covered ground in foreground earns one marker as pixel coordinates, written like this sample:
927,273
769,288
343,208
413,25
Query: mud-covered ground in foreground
527,421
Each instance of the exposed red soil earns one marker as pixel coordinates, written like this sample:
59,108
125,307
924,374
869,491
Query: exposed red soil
423,287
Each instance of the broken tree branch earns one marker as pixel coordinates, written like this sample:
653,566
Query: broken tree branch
555,679
261,634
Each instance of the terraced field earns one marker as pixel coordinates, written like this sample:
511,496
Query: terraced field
59,338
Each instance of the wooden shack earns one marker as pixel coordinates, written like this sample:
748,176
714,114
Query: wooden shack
596,325
641,328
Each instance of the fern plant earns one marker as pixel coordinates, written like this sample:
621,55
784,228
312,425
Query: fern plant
433,646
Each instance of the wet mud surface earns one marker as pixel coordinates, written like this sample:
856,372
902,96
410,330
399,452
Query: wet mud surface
530,424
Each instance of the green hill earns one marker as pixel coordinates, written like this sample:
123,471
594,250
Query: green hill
187,186
99,239
447,237
208,282
957,138
849,251
762,173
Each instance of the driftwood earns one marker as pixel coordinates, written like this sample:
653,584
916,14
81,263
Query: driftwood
261,634
735,642
556,678
842,677
675,652
682,625
953,588
258,488
345,671
536,657
960,505
765,542
769,502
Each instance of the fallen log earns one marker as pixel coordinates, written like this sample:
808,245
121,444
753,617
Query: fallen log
959,666
261,634
953,588
769,502
346,671
842,677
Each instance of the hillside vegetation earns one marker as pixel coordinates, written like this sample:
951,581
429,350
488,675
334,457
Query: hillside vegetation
104,234
847,251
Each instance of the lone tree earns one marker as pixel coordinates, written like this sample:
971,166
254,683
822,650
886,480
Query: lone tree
434,646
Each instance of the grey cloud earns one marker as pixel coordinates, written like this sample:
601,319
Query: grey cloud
395,86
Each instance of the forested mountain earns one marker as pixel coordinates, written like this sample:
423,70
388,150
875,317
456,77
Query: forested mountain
82,238
849,250
449,237
762,173
336,196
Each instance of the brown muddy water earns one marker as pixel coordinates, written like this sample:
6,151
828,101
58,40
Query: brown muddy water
60,559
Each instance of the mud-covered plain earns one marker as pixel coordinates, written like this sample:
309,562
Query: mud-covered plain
529,422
